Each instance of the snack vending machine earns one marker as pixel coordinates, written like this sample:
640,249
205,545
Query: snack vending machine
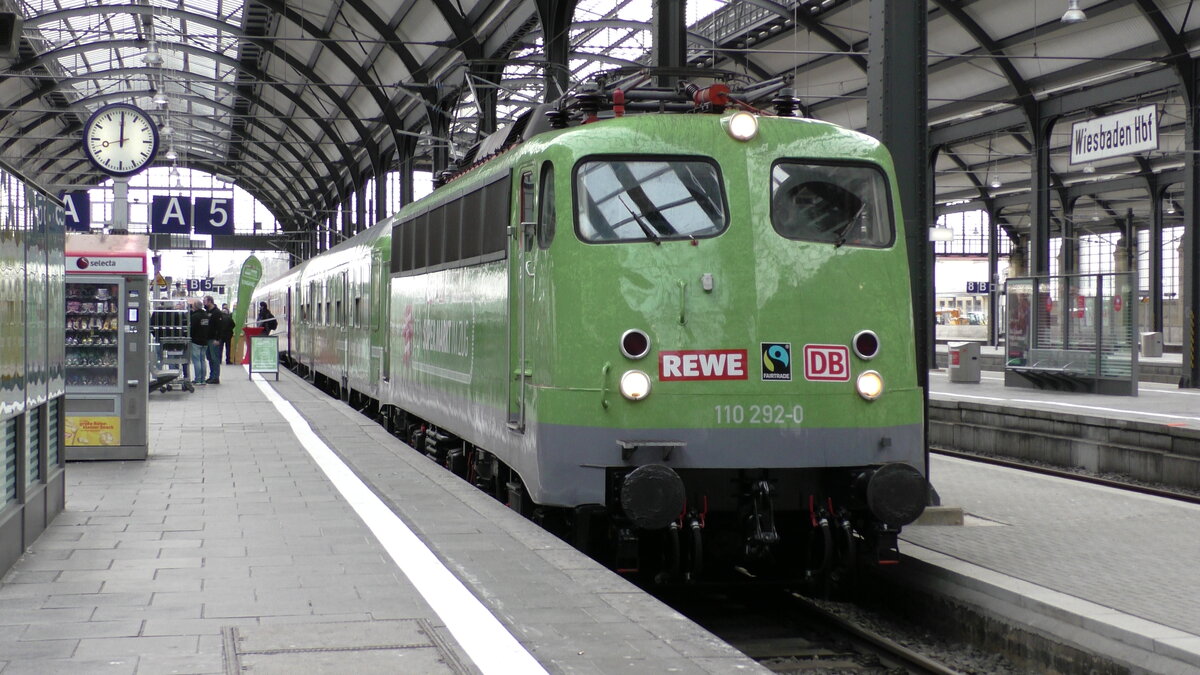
107,366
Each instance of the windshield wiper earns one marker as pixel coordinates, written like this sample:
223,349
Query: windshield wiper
650,233
845,229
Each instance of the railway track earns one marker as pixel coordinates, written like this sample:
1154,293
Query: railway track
1076,475
789,633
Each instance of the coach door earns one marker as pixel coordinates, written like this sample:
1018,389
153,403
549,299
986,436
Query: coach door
342,332
520,258
289,322
377,298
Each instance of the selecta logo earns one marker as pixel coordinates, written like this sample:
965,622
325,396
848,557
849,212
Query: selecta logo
82,263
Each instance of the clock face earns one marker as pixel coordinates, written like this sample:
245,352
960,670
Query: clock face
120,139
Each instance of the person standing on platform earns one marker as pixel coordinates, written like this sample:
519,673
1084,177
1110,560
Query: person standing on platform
198,322
227,333
214,340
266,320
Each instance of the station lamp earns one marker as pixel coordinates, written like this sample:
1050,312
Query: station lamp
1073,13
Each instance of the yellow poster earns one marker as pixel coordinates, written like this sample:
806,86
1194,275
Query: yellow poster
81,431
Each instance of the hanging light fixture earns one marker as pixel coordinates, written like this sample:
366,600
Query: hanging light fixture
160,98
1073,13
168,130
153,57
996,182
172,155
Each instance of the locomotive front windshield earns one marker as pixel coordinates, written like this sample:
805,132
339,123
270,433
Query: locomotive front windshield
623,199
842,204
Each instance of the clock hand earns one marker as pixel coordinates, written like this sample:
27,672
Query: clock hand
121,142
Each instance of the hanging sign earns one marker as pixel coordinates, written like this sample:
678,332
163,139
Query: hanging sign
1080,305
213,215
1124,133
170,215
77,207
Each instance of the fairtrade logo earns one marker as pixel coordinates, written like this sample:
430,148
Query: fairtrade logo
82,263
777,361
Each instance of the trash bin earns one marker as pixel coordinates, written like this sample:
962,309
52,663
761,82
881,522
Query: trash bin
249,332
964,362
1151,344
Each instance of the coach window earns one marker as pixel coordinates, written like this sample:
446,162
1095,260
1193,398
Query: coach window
528,209
546,207
627,199
841,204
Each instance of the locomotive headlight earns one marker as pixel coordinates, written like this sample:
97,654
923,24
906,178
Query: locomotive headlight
742,126
635,385
869,385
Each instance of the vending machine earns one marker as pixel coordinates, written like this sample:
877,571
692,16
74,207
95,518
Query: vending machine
107,340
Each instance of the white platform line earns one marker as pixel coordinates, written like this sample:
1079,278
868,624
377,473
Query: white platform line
490,646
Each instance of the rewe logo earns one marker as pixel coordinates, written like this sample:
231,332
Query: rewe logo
827,363
702,364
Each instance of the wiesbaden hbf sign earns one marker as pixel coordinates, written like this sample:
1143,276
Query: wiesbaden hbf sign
1123,133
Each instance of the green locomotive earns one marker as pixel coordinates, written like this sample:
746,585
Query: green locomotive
679,339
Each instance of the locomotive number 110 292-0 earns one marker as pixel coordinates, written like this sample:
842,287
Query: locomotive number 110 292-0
759,414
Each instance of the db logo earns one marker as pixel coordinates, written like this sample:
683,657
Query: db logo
827,363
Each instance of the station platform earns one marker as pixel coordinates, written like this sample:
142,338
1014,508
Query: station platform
1106,571
1110,570
275,530
1164,369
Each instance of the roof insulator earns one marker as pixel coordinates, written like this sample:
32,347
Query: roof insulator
589,99
785,102
558,118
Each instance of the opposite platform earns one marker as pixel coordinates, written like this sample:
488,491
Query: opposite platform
230,547
1109,571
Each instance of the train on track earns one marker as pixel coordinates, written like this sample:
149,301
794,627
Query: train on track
671,327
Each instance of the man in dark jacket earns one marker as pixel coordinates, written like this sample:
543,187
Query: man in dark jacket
227,333
266,320
214,340
198,321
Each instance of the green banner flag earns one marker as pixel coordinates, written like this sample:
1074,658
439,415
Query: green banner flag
251,273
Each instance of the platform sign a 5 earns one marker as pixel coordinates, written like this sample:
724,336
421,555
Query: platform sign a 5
213,215
170,215
77,209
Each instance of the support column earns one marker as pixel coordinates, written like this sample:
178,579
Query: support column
1039,194
405,165
670,37
1190,250
347,217
360,209
381,195
487,78
555,16
1156,257
896,114
993,263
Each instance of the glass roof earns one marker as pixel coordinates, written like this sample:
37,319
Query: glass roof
110,55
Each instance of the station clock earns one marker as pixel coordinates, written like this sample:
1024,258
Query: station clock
120,139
